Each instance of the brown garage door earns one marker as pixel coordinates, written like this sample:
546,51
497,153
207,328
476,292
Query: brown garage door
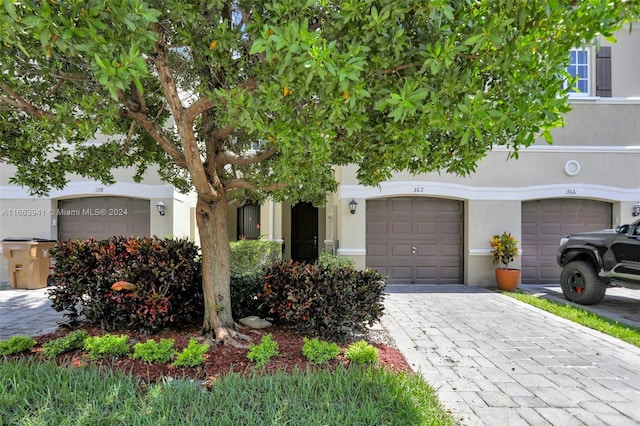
544,222
415,240
102,217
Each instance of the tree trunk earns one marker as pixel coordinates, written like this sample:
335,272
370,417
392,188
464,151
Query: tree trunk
214,243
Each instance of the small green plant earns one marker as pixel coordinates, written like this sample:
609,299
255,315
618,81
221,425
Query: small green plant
73,340
16,344
362,352
333,261
503,249
192,355
152,351
107,345
251,256
262,353
317,351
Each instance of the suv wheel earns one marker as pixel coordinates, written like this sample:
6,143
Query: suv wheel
580,283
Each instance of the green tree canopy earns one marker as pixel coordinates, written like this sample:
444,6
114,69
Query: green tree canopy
246,98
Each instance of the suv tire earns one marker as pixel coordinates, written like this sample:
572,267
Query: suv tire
580,283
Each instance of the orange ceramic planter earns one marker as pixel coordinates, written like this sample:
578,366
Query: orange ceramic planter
507,279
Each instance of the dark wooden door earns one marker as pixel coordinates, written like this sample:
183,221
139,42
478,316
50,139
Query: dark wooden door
304,233
249,222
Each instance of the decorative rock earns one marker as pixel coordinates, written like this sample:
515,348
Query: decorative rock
255,322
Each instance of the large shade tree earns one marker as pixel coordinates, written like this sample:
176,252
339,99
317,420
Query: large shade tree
245,99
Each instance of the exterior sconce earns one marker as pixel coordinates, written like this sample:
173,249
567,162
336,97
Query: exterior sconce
160,207
353,205
636,209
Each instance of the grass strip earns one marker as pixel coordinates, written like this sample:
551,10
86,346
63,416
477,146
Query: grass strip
42,393
582,316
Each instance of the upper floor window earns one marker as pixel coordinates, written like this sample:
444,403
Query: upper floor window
579,68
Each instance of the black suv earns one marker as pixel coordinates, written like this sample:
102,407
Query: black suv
592,260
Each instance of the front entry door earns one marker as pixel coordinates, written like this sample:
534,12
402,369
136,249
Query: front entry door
304,233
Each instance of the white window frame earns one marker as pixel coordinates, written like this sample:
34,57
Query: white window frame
586,65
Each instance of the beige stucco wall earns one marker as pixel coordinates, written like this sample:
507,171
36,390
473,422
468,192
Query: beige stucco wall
493,195
22,215
625,66
484,218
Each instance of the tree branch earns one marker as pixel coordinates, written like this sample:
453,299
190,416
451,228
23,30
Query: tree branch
244,184
55,88
165,76
228,157
158,135
197,108
184,120
399,68
20,103
138,98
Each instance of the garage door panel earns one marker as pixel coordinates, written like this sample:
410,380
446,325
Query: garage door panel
424,250
584,227
550,273
548,250
433,226
377,249
450,228
454,208
382,270
450,274
402,228
425,273
401,273
529,250
544,222
547,208
89,218
96,227
400,250
450,250
425,206
550,229
528,271
377,227
426,228
401,205
529,228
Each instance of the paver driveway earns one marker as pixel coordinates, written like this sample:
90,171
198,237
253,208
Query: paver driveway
497,361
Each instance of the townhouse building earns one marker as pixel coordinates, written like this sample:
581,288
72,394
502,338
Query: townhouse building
427,228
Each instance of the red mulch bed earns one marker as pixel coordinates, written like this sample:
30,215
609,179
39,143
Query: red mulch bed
219,360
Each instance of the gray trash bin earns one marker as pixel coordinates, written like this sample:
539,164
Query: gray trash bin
29,261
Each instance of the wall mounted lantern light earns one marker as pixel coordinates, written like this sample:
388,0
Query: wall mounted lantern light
353,205
636,209
160,207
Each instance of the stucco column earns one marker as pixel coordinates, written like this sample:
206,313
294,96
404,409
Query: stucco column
483,220
352,231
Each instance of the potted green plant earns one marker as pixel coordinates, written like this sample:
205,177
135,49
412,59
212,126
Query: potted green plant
503,250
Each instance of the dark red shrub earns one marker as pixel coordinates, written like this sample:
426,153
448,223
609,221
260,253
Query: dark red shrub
323,301
138,283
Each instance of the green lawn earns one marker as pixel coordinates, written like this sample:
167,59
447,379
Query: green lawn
582,316
42,393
